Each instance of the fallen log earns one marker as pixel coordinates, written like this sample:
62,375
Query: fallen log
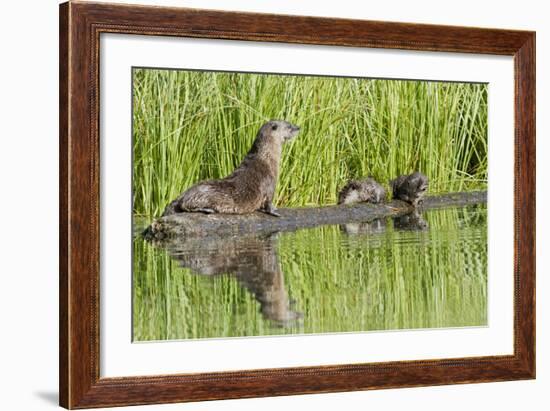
198,224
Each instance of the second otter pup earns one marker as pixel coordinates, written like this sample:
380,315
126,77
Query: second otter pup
361,191
250,187
410,188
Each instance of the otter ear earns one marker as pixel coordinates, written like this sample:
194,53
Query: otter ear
274,127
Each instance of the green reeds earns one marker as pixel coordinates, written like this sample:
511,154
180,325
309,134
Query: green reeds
189,126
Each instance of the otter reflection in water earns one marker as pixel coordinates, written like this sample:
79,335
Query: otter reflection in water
252,260
410,222
376,226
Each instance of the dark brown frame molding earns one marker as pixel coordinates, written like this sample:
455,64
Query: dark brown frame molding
81,24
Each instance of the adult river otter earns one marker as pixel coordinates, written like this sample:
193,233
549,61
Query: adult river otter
250,187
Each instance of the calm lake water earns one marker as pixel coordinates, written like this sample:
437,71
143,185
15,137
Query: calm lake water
416,271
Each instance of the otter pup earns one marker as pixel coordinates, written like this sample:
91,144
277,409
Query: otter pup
358,191
410,188
250,187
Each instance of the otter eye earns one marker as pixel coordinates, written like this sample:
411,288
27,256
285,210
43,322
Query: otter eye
274,127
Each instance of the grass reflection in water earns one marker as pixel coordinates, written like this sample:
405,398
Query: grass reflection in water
417,271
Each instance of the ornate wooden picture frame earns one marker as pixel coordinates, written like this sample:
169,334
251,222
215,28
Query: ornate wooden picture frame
80,27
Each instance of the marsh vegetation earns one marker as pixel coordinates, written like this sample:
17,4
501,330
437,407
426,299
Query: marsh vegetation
190,126
418,271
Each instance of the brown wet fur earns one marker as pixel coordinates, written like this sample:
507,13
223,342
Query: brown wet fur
410,188
360,191
250,187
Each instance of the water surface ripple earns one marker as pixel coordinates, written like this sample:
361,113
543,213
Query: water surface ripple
424,270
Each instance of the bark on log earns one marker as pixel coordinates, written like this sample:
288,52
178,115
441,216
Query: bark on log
198,224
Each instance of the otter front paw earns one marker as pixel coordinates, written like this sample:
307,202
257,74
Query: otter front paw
269,209
417,203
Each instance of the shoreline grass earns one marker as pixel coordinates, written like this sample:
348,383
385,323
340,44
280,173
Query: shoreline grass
189,126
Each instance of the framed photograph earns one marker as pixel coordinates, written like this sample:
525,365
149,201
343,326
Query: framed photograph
259,205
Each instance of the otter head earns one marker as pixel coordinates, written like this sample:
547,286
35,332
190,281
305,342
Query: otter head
281,130
420,183
417,187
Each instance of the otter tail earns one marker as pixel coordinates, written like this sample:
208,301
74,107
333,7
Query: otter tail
196,197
